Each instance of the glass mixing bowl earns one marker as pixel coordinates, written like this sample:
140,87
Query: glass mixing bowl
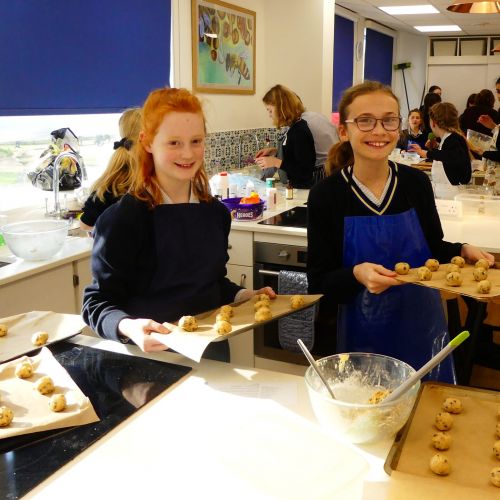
355,378
35,239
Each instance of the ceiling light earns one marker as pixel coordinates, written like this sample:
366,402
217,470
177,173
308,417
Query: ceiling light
402,10
433,29
475,7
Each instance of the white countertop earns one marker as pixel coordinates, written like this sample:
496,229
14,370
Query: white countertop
221,432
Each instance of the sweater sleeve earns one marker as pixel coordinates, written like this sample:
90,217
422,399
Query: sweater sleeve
114,256
325,234
299,155
454,155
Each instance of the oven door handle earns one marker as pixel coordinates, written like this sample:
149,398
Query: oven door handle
269,273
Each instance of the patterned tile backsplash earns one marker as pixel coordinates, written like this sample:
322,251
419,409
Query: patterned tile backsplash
222,150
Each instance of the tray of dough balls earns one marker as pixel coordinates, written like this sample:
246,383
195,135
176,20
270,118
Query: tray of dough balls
37,394
475,280
25,332
452,438
191,335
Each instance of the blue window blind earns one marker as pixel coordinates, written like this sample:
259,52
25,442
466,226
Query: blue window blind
81,56
378,56
343,53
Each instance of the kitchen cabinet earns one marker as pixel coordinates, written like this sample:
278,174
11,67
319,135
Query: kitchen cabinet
240,271
82,275
51,290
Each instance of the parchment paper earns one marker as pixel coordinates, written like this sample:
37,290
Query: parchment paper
22,326
473,435
468,287
193,344
31,409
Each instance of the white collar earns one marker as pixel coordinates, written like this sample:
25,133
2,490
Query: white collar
168,201
444,139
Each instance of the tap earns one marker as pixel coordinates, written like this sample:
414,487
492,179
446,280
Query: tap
240,141
55,180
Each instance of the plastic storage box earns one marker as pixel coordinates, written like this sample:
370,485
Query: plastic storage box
479,204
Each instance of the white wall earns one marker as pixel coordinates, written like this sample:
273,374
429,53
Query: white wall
410,48
294,48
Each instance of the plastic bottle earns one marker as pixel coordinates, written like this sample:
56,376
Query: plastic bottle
289,191
249,188
224,185
271,198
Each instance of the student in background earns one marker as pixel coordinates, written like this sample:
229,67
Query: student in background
160,252
429,100
483,105
368,215
116,179
414,134
296,155
434,89
451,162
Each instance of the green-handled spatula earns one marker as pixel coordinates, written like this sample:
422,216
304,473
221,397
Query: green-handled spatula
396,393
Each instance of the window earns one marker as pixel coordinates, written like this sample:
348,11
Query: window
378,56
343,58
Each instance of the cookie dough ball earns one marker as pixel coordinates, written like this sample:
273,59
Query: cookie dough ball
495,476
3,330
443,421
24,370
496,449
424,273
452,405
45,385
484,286
459,261
57,402
482,263
223,317
440,464
297,301
263,314
223,327
402,268
6,416
39,338
452,268
432,264
454,279
479,273
188,323
441,441
261,296
261,303
226,310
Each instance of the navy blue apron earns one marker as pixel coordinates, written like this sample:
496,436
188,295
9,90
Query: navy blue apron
406,322
191,252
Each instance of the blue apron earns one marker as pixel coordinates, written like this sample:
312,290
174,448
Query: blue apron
406,322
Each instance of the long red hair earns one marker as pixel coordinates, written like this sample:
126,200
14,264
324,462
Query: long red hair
158,104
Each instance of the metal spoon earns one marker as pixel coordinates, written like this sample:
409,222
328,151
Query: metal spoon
315,366
455,342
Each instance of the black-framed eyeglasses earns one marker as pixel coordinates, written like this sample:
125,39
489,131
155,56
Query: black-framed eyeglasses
368,123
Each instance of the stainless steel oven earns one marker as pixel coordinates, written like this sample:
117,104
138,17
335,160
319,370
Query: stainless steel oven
269,260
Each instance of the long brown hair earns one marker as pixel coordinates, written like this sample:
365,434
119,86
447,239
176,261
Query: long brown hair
288,105
159,103
117,177
341,154
445,115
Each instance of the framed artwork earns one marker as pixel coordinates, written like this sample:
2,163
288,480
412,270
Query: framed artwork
223,38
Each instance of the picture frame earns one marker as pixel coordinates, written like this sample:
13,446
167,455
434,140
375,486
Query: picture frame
223,45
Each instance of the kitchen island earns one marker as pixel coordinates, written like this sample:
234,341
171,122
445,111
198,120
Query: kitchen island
224,431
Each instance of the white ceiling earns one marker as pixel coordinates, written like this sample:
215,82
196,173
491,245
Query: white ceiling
471,24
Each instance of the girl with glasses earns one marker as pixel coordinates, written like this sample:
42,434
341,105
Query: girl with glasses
368,215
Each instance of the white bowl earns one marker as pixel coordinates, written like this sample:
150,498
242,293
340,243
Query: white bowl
354,381
35,239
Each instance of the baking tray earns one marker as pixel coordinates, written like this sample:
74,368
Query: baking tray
193,344
473,435
22,326
468,286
